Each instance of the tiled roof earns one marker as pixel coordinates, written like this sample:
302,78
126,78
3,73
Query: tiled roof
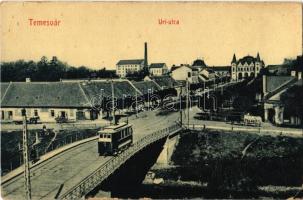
95,89
157,65
131,62
274,82
285,89
164,81
62,94
44,94
144,86
4,87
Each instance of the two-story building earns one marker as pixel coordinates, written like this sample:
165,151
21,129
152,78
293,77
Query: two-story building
158,69
185,72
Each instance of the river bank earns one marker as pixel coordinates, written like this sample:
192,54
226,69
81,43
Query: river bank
214,164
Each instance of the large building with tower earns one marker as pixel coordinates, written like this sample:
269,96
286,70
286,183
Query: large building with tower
245,67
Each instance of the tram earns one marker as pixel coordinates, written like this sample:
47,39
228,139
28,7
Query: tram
115,138
250,120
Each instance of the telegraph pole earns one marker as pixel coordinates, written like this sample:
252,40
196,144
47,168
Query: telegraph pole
113,102
181,106
187,101
27,181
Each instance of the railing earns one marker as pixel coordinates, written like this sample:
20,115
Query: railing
242,128
99,175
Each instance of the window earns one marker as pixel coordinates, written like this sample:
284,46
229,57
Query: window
71,113
52,112
2,114
35,113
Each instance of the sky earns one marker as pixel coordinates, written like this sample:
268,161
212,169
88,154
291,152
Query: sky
99,34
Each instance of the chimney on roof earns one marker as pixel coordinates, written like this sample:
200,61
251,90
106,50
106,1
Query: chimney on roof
27,80
145,55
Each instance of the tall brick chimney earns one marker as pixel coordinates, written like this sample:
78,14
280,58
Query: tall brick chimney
145,55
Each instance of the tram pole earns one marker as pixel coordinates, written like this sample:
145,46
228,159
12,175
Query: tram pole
27,181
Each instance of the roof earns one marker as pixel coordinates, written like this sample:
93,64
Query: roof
199,63
131,62
94,89
221,68
277,96
249,59
194,68
62,94
4,87
274,82
144,86
273,67
157,65
44,94
164,81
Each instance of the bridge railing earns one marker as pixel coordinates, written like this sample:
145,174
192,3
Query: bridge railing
99,175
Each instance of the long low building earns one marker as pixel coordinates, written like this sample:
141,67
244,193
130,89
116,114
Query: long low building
73,100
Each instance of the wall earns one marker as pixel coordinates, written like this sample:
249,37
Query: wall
44,113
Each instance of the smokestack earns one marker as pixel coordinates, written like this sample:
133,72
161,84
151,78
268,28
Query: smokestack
145,55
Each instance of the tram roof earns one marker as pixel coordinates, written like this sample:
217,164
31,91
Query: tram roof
115,128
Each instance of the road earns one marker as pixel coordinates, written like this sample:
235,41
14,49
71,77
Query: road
71,166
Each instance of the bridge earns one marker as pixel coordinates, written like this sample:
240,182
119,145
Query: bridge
75,172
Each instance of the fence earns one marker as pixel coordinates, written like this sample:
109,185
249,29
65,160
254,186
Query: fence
99,175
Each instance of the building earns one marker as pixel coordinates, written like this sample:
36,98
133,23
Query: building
185,72
207,74
221,71
158,69
200,64
44,99
125,67
278,103
73,100
245,67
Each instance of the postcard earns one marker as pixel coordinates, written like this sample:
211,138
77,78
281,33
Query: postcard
151,100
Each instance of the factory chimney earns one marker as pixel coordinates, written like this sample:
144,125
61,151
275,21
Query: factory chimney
145,55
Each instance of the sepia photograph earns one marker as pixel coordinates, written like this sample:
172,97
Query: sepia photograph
151,100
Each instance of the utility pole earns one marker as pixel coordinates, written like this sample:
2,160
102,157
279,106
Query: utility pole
181,106
204,96
136,105
113,102
27,181
187,101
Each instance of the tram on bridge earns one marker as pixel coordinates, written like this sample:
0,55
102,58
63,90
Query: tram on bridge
115,138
